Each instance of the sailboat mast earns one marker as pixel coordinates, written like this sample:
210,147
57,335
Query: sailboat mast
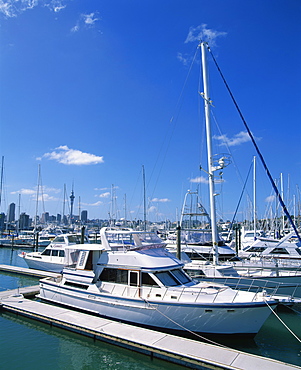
37,199
254,197
144,199
1,181
207,104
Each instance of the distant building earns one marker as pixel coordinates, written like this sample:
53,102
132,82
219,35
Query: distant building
45,217
84,216
65,220
11,212
23,221
2,219
59,218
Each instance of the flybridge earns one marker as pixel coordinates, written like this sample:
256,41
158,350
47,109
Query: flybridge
127,239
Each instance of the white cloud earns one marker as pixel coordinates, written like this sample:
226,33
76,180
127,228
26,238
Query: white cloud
87,20
270,199
105,195
199,180
12,8
24,192
202,33
162,200
65,155
152,209
43,193
185,59
240,138
96,204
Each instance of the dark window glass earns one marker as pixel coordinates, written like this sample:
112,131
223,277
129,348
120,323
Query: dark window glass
114,276
279,251
46,252
148,280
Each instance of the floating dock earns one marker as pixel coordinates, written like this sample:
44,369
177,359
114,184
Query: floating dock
186,352
27,271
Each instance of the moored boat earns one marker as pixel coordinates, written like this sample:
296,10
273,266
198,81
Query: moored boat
132,277
53,258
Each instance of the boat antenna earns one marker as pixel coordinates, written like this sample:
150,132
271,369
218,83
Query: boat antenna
278,195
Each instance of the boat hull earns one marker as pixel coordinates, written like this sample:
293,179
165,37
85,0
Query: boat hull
211,318
43,265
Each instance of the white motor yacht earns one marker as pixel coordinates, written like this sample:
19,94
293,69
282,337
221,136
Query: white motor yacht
53,257
131,277
284,249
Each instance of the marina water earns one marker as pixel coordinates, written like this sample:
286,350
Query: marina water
25,343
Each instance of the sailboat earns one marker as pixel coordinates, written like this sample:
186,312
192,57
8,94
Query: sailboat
196,234
281,282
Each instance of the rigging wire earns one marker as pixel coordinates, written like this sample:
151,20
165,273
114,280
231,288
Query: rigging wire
242,192
256,147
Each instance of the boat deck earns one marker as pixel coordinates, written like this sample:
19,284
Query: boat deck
185,352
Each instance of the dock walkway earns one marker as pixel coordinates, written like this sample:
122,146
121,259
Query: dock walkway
185,352
27,271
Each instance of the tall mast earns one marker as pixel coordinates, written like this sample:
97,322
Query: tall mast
254,197
144,199
1,180
37,200
211,168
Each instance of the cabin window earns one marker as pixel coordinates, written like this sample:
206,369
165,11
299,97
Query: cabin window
147,280
59,239
55,253
46,252
61,254
195,273
167,278
74,239
114,276
256,249
134,278
76,285
279,251
181,276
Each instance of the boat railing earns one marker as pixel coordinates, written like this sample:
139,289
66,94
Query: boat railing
209,292
290,290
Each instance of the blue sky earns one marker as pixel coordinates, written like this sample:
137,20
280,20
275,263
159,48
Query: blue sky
93,90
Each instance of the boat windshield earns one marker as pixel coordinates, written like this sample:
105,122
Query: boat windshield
131,240
173,278
75,239
197,237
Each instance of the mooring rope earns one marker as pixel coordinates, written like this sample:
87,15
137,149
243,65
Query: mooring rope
185,329
298,339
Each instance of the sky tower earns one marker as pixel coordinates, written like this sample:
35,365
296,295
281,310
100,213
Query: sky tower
72,197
